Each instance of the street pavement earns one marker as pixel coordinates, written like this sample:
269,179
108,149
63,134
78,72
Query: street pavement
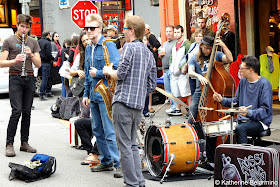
51,136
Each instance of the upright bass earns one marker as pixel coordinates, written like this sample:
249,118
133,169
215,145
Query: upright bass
220,81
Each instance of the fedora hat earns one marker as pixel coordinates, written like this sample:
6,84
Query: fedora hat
208,40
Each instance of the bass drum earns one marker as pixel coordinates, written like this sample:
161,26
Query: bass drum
161,141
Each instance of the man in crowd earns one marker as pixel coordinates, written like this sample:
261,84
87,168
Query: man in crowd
112,32
153,41
180,86
21,87
102,126
136,77
201,23
46,58
165,54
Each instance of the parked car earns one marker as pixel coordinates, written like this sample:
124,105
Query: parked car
4,80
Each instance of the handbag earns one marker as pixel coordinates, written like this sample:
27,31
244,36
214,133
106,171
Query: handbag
77,86
64,70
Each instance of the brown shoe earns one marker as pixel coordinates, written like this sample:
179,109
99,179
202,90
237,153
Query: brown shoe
27,148
10,150
151,110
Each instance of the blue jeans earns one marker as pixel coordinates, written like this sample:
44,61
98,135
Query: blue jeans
63,90
103,130
46,78
21,93
249,128
167,87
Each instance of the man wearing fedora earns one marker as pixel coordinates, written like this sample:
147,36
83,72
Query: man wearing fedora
197,68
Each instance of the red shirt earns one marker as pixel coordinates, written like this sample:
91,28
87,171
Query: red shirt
178,45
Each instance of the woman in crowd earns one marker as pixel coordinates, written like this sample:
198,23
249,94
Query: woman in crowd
77,69
63,55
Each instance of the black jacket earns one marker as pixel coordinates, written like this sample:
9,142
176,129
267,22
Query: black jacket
46,50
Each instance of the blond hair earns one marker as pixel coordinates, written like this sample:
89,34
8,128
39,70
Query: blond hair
95,17
137,23
198,31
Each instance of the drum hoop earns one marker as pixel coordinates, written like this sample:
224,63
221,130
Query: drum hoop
166,148
195,137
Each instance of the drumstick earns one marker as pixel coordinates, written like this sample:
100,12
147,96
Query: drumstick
227,116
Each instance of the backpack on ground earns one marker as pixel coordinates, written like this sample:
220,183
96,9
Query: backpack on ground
69,108
56,107
46,167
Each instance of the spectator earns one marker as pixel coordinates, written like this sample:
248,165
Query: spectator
165,54
46,57
112,32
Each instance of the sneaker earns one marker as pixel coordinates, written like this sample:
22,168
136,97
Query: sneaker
169,111
42,98
27,148
205,167
147,115
118,172
102,167
49,95
176,112
10,150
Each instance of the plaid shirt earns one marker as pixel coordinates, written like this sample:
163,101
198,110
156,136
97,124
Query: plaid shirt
137,74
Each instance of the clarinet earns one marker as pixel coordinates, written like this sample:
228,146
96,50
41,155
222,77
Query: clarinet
23,72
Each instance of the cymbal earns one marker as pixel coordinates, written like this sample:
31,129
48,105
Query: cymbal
231,110
171,96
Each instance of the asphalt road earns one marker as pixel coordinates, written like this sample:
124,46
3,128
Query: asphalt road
51,136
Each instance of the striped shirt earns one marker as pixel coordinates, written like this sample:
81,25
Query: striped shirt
137,74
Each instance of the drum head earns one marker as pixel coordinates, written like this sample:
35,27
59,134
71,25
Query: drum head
154,150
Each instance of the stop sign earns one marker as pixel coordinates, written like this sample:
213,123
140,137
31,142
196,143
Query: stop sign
80,10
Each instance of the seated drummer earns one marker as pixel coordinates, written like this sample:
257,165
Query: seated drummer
254,90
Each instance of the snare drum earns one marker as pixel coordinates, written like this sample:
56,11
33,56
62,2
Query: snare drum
218,128
161,141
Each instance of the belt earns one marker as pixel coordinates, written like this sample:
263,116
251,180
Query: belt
19,73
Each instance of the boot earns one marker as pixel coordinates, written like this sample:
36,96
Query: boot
27,148
10,150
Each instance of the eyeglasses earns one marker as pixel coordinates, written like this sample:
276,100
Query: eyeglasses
126,28
91,28
207,48
241,68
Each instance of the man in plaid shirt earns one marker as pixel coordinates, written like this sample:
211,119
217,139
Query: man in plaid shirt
136,78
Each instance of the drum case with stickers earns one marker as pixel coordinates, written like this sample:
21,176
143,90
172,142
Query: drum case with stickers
246,165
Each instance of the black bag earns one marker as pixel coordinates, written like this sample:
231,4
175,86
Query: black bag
69,108
77,86
45,170
56,107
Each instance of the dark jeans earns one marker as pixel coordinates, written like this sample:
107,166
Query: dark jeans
46,79
249,128
21,93
146,107
83,127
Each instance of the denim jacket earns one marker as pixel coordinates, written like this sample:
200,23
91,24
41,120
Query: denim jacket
98,63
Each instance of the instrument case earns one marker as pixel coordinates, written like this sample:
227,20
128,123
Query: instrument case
75,140
246,165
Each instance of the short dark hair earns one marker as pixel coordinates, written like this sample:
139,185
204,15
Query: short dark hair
180,27
170,26
23,18
46,33
252,62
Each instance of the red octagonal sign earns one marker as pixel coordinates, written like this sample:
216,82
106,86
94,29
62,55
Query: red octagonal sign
80,10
